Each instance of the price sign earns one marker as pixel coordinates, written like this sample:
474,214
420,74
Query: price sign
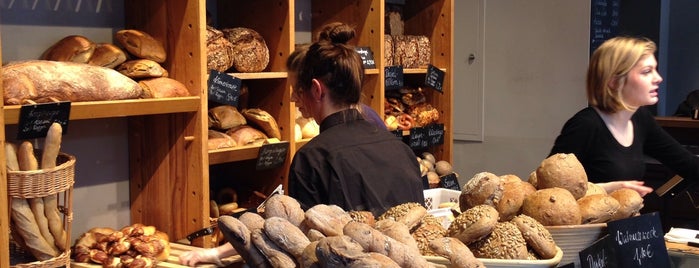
449,181
35,119
272,155
418,138
393,77
434,78
602,253
367,57
639,241
224,88
435,134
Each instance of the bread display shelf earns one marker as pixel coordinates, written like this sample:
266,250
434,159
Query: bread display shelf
265,75
121,108
239,153
419,70
496,263
173,260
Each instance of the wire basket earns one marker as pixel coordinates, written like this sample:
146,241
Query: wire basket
38,184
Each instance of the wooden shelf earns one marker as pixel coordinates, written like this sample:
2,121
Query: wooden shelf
122,108
266,75
676,121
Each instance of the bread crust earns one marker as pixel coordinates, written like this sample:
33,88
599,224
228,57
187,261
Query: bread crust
505,242
536,235
563,171
630,203
141,44
552,207
473,224
483,188
72,48
597,208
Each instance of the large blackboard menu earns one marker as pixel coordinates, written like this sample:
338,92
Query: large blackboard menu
604,21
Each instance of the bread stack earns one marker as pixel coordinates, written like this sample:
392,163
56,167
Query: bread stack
410,51
236,49
229,127
136,245
408,108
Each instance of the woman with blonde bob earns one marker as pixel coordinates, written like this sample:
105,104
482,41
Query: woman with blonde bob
614,134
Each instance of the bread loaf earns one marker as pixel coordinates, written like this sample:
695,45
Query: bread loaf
141,44
250,51
247,135
505,242
286,235
276,256
456,252
563,171
410,214
72,48
483,188
388,49
328,219
597,208
142,68
162,87
240,238
285,207
263,120
219,140
107,55
630,203
552,207
47,81
373,240
52,147
225,117
219,51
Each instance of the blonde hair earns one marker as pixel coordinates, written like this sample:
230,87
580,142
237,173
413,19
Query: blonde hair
610,64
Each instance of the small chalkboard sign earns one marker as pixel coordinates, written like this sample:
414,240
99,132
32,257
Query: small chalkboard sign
272,155
434,78
639,241
35,119
393,77
367,57
398,133
418,138
224,88
449,181
601,253
435,134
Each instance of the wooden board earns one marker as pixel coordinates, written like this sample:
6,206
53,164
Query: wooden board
173,261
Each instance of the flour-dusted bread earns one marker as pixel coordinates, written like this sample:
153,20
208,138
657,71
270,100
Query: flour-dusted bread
250,51
48,81
563,171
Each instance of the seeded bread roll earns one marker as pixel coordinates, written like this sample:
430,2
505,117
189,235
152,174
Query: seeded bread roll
484,188
458,254
473,224
410,214
552,207
364,216
537,236
429,229
250,51
563,171
505,242
630,203
597,208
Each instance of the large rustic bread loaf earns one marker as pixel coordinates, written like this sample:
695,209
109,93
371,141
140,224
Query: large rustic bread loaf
47,81
250,51
219,51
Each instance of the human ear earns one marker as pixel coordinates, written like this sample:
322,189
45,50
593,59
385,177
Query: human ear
317,89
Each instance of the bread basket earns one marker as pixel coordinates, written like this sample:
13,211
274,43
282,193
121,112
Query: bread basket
501,263
41,183
574,238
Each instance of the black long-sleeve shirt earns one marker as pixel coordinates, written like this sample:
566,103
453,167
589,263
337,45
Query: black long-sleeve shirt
356,165
586,135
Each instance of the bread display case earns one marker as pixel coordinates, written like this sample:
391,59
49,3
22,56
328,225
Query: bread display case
172,174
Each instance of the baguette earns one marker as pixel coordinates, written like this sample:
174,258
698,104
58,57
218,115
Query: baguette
52,146
24,213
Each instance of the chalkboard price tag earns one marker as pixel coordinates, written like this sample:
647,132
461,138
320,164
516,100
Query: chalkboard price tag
398,133
434,78
602,253
367,57
272,155
35,119
640,241
224,88
393,77
435,133
449,181
418,138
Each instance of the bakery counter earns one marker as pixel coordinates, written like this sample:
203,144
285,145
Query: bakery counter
682,255
120,108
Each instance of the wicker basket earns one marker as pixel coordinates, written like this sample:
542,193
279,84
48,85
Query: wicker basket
40,183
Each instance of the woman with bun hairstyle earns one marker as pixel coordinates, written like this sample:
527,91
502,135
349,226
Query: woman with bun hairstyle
614,134
352,163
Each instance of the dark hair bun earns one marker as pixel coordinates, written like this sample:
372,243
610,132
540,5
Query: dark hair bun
336,32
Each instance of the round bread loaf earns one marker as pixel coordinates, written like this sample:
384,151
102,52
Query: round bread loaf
219,53
250,52
552,207
286,207
537,236
597,208
563,171
410,214
593,189
514,192
473,224
504,242
483,188
630,203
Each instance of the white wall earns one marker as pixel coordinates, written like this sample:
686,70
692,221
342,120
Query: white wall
535,57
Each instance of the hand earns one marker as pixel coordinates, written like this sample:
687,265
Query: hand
633,185
194,257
